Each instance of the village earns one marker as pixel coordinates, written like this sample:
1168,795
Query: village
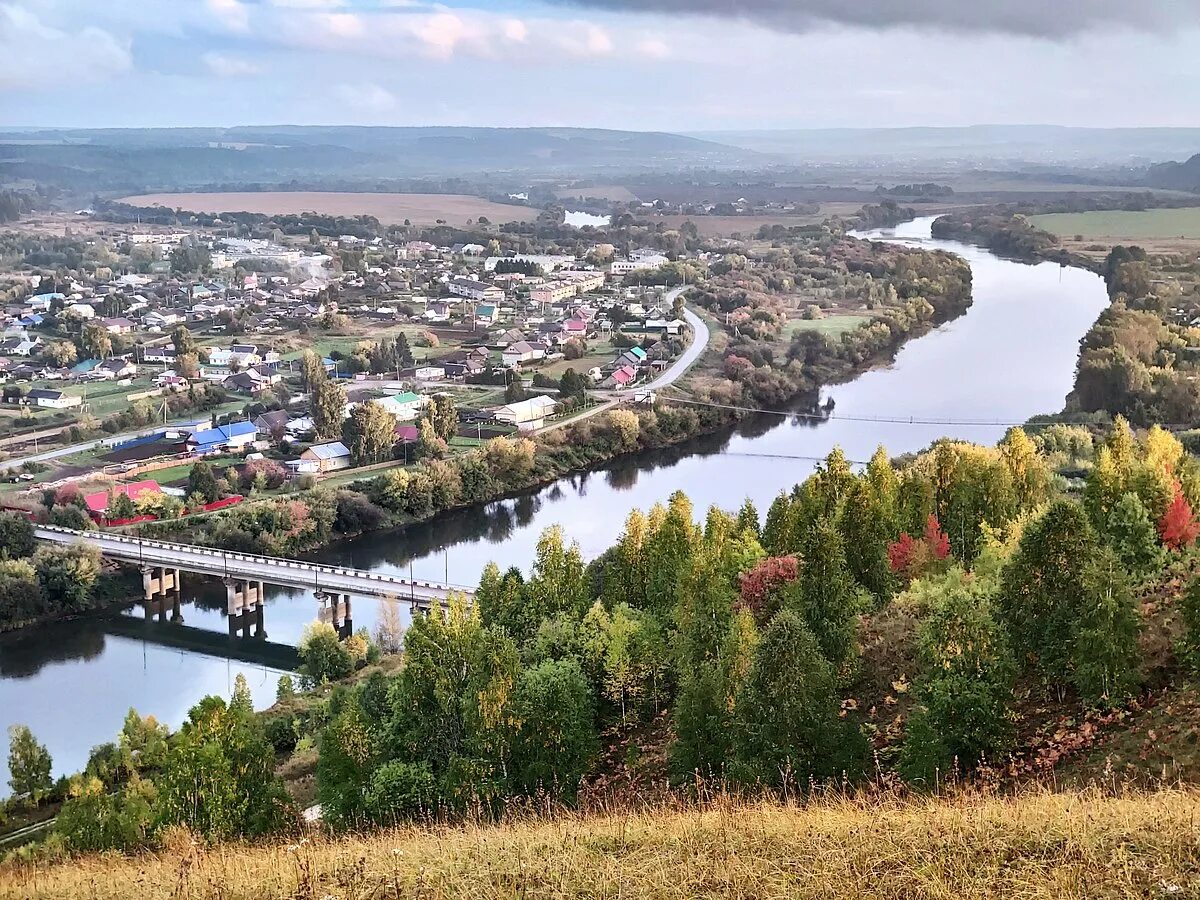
190,346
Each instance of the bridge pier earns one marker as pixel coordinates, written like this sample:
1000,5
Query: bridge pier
160,588
334,609
244,606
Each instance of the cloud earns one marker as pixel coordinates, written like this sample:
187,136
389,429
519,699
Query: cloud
33,54
653,48
229,13
1032,18
367,97
230,66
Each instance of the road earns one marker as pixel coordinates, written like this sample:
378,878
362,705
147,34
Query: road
700,338
107,441
288,573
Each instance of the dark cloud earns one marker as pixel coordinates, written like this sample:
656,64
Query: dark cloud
1055,19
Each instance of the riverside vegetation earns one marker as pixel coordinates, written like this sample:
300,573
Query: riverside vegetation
970,615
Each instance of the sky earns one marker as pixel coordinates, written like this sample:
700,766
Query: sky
669,65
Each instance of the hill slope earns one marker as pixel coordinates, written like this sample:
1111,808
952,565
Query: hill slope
1039,845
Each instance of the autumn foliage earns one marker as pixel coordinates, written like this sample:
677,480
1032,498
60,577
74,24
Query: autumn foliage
910,557
1178,527
759,583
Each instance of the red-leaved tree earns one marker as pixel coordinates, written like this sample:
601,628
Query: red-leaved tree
759,585
1178,527
910,557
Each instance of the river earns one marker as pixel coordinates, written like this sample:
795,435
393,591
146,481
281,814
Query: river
1011,356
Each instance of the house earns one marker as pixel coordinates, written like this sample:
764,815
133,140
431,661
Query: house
82,310
118,325
165,354
521,352
475,290
621,377
241,355
236,436
487,313
245,383
407,434
115,369
437,312
429,373
634,356
53,399
527,415
273,422
323,458
98,503
405,406
159,319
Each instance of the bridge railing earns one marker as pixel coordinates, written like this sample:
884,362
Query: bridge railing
227,555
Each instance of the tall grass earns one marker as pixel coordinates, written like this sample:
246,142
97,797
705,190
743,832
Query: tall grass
1040,844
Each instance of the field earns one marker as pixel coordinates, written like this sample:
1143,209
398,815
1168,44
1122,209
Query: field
723,226
390,209
1147,225
832,326
1039,845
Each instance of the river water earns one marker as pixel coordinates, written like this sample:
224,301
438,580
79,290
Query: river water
1011,356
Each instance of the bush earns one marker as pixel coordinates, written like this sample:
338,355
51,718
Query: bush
281,733
322,654
398,792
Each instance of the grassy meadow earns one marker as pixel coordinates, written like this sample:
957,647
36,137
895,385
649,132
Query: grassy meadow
1037,845
1146,225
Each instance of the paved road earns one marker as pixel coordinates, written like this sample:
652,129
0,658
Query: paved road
107,441
287,573
700,338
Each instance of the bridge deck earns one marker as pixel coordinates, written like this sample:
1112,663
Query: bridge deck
288,573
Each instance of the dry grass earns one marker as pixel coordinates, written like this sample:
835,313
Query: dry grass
1042,845
390,209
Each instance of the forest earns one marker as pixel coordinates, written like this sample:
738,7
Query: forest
909,623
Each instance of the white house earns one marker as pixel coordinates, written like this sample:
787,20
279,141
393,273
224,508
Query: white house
429,373
527,415
54,399
476,290
521,351
405,406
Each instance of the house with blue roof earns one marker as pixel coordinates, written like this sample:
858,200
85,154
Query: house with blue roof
234,437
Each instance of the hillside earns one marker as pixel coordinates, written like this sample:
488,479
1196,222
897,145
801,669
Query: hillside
176,158
1040,845
1178,176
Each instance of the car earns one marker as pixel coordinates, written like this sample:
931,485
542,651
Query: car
25,476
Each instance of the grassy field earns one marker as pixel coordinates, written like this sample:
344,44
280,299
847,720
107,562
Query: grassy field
1150,224
1040,845
833,326
390,209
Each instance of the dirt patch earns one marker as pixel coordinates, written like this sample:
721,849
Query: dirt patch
390,209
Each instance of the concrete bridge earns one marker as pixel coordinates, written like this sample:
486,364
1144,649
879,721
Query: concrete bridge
245,574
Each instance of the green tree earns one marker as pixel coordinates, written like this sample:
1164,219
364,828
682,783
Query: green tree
964,693
219,775
350,754
182,341
747,519
92,819
557,582
323,657
825,591
1189,613
399,792
94,340
143,742
369,433
202,481
1133,537
67,573
443,416
404,351
556,741
1105,664
17,538
865,535
786,713
328,408
29,765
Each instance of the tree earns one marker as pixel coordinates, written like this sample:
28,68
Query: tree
60,353
328,407
1178,527
826,592
1132,536
182,341
864,530
429,444
322,654
787,727
557,583
1189,613
964,693
67,572
202,481
443,416
572,384
556,740
911,558
29,765
219,775
95,341
350,753
514,391
1105,653
403,352
761,588
369,433
17,537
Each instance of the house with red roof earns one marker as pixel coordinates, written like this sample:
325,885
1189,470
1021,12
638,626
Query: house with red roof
98,502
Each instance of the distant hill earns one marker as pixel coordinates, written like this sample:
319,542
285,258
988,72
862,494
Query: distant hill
1030,143
1177,176
176,158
